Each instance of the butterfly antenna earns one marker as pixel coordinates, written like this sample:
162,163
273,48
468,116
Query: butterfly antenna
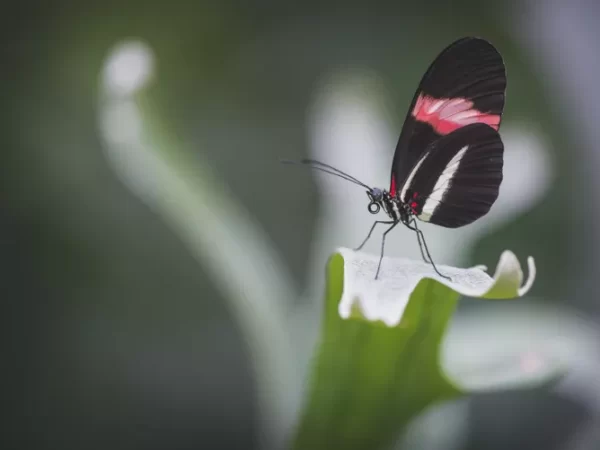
314,162
317,165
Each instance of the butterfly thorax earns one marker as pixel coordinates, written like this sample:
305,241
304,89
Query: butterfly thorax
392,205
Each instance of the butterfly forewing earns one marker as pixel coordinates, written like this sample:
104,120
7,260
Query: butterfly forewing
464,85
457,178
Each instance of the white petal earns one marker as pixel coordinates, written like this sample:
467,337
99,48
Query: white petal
386,298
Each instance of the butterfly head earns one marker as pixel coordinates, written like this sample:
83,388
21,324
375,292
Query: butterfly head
377,198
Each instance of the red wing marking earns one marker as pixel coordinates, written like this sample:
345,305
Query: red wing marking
393,185
446,115
414,205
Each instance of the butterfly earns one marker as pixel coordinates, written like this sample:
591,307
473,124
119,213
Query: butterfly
447,166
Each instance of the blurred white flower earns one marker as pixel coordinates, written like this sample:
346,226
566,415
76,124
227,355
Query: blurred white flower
348,129
128,68
232,248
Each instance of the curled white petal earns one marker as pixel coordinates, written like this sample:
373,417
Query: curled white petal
386,298
529,283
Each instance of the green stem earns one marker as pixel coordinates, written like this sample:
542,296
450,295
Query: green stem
369,380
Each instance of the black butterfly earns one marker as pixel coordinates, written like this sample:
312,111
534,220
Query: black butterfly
447,167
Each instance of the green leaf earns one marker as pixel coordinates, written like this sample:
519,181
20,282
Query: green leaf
377,364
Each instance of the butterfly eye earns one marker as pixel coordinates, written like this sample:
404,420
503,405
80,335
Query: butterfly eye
374,207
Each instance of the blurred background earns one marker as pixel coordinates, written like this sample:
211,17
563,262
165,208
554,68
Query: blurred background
155,306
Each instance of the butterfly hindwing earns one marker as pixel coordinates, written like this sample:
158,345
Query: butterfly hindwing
457,179
465,84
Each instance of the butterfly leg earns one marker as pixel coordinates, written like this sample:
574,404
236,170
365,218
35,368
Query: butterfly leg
383,245
419,238
388,222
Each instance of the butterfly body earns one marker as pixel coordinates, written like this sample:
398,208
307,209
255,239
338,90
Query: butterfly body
391,205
